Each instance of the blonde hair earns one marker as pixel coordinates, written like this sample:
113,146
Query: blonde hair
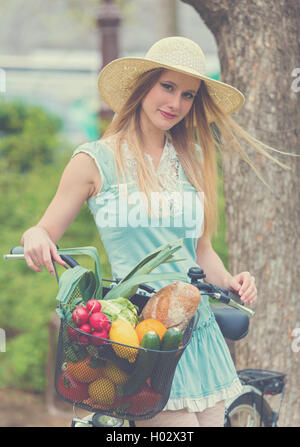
195,129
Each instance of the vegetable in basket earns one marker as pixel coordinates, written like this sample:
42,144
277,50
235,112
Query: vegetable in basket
72,389
167,360
140,274
142,402
89,320
120,308
145,364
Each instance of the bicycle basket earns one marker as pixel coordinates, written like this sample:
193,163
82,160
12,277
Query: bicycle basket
91,371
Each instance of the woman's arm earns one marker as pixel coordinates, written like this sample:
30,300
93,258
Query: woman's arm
80,180
211,263
216,273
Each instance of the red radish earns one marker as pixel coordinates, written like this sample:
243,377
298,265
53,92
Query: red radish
85,328
101,333
80,315
99,321
93,306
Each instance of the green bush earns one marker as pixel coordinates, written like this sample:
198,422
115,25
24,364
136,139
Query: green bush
29,137
28,299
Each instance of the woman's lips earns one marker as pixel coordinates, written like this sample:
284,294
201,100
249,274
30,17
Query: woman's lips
169,116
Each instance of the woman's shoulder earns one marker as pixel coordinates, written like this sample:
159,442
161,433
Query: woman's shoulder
101,146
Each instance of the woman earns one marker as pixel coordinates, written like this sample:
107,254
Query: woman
169,120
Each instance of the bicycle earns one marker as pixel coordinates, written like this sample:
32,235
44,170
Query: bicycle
248,409
251,409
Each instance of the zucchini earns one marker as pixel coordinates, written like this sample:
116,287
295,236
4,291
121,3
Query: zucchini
163,373
171,339
144,364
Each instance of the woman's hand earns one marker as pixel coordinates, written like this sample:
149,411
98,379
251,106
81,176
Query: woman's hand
244,284
38,249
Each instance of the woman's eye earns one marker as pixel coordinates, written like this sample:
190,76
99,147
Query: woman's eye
189,95
166,86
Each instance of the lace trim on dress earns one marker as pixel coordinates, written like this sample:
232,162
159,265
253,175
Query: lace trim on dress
167,173
199,404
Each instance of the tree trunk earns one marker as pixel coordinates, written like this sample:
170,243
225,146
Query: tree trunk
259,51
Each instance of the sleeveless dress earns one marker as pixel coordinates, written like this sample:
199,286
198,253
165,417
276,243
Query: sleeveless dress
205,373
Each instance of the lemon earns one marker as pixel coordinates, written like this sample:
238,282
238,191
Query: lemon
122,331
102,391
115,374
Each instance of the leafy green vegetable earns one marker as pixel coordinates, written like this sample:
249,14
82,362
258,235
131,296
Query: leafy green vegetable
129,285
120,308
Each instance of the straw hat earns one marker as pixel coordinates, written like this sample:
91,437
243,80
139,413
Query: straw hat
116,79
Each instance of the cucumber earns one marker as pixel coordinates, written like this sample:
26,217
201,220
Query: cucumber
163,373
144,364
171,339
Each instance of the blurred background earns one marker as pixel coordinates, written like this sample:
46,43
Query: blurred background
50,55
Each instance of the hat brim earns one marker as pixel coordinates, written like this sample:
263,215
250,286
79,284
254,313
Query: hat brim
116,79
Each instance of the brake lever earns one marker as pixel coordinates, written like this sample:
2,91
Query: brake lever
223,296
229,298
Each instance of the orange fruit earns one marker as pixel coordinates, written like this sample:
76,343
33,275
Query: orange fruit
150,324
84,371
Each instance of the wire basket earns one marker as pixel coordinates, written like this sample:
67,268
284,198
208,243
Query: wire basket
92,371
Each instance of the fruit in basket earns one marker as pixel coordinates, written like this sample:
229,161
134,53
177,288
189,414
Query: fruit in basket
102,391
115,374
80,315
145,364
150,324
71,389
174,305
123,332
86,370
93,306
99,321
142,402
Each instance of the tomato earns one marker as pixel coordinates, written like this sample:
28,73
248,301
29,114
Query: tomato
71,389
140,403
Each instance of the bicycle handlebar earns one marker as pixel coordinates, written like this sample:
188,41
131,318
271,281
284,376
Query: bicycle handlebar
196,274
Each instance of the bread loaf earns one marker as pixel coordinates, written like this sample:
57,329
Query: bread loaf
174,305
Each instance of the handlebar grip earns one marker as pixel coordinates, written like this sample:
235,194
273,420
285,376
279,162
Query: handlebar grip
17,252
233,296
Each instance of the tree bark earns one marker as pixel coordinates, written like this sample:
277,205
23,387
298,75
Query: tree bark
259,52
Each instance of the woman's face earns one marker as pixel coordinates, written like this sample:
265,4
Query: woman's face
169,101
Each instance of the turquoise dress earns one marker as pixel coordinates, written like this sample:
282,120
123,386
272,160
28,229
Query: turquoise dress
205,373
